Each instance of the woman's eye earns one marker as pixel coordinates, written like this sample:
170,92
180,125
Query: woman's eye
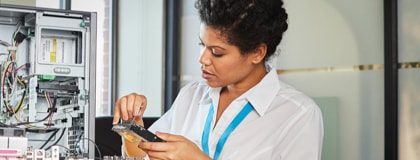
215,54
201,44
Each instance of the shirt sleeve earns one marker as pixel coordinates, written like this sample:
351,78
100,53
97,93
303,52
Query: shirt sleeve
163,123
304,140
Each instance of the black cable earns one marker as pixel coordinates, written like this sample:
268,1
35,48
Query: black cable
21,101
49,139
96,146
58,140
54,101
40,130
3,125
10,110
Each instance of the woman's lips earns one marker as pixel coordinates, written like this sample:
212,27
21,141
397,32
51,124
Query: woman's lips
207,75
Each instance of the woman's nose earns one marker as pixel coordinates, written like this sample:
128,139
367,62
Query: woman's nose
204,59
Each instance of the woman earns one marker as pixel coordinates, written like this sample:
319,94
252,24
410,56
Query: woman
242,110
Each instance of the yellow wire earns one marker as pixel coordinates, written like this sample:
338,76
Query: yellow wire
32,126
20,104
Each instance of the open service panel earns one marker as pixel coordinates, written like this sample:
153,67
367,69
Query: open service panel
47,95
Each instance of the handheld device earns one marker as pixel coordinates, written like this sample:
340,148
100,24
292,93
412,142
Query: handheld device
135,133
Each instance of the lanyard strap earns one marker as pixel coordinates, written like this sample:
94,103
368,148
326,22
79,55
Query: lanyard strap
222,140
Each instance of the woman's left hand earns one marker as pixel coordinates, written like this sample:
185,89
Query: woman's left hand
175,148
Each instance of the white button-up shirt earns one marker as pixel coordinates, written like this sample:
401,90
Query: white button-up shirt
284,123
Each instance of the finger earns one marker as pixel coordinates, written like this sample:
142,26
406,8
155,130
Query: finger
117,114
140,104
169,137
139,121
153,155
156,146
155,158
130,104
137,105
123,108
137,110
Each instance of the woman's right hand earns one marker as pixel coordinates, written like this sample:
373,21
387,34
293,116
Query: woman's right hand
130,106
126,108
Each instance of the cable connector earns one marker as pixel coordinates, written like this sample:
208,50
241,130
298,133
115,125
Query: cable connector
20,37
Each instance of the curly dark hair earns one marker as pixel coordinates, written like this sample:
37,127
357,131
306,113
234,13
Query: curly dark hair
246,23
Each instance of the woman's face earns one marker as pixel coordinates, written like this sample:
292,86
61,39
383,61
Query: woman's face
222,63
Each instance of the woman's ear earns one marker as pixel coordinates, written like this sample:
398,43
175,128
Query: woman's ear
259,53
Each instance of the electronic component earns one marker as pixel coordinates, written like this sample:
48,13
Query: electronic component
15,132
39,154
46,64
10,154
20,37
30,154
13,141
55,153
135,133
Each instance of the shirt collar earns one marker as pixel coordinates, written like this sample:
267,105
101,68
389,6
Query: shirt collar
215,94
260,96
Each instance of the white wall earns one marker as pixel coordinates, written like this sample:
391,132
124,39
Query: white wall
340,35
141,50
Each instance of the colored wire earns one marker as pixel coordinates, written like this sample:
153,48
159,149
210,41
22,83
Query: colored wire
20,67
50,107
15,33
45,118
20,104
4,43
3,79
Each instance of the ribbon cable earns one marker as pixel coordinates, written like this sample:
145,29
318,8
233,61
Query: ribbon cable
222,140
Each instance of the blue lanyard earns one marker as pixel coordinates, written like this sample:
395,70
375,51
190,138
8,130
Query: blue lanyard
235,122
